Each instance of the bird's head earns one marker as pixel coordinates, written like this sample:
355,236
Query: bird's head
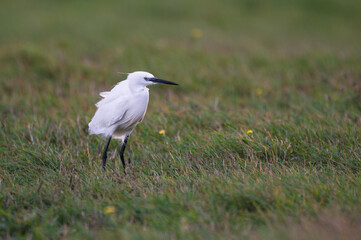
144,79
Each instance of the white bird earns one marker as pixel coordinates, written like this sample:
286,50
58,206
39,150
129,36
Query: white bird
122,108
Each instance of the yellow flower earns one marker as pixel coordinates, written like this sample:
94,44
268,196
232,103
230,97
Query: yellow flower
162,132
249,132
277,191
109,210
196,33
259,91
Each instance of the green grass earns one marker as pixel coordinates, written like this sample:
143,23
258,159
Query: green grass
287,70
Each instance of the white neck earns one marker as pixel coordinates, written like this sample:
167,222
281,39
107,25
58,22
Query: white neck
134,86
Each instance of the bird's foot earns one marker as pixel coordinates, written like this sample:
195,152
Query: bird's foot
104,161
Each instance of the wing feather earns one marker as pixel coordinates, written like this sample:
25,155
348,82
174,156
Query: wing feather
119,90
104,94
106,117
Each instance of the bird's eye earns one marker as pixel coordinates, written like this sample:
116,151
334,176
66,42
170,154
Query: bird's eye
145,78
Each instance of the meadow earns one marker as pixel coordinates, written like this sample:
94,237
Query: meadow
261,139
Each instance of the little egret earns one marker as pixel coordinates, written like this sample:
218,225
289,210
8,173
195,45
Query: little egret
122,108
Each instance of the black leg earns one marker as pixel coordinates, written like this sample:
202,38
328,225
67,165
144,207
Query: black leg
122,152
105,153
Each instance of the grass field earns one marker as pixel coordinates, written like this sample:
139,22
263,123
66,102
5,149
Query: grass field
262,137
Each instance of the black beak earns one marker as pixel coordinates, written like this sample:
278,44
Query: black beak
157,80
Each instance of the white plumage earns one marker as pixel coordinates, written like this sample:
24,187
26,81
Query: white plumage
120,110
123,107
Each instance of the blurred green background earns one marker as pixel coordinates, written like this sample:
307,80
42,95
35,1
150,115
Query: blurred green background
262,137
